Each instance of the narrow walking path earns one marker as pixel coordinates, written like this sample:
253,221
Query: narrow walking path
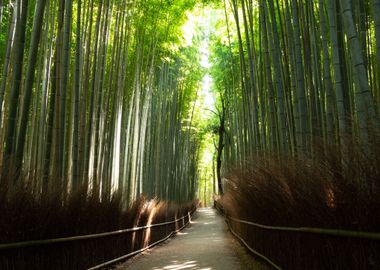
205,245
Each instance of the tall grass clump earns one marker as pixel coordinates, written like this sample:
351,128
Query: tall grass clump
26,216
332,189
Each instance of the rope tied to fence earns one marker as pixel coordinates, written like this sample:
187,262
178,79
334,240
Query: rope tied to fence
319,231
34,243
322,231
140,250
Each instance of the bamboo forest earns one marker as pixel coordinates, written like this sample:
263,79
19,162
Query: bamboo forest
253,125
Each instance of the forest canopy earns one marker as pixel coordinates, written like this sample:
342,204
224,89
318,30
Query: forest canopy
107,95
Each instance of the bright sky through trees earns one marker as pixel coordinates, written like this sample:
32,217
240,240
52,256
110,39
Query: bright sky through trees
200,24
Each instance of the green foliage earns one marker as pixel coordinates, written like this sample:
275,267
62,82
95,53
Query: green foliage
4,31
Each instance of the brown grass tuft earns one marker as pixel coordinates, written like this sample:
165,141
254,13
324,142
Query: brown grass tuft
25,216
329,190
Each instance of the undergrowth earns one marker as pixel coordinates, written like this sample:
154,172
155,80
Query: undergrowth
331,189
25,217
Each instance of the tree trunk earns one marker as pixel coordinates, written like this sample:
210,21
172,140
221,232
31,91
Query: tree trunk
19,45
363,99
33,53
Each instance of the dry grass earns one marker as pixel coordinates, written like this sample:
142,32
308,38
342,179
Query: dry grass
326,191
25,217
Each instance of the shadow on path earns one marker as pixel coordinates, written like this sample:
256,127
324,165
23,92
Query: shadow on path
205,245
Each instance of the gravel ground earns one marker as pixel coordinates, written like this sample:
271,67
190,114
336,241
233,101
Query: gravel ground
205,245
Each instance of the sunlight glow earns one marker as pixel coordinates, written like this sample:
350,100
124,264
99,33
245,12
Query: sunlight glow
205,52
176,265
116,156
208,97
147,205
148,232
330,197
199,28
188,29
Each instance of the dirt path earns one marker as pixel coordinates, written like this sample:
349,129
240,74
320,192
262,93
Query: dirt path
205,245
